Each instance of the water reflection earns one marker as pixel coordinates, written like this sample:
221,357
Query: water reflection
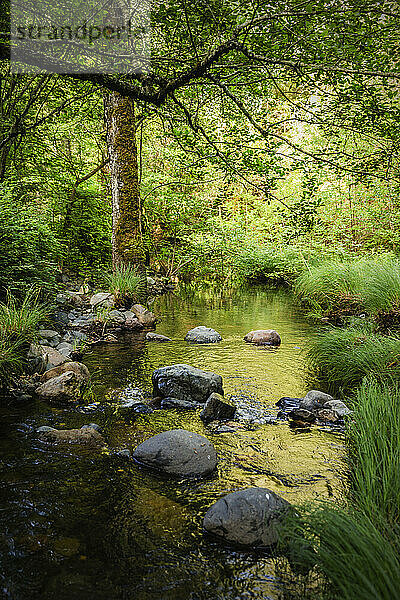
81,526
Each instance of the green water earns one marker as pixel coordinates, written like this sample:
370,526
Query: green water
88,526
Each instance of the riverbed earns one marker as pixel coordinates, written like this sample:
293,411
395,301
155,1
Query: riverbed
83,526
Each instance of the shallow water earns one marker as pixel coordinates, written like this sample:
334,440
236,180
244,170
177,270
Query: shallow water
85,526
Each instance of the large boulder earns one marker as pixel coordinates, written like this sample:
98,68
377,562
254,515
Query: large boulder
248,517
63,389
203,335
314,400
44,358
81,371
217,409
144,316
177,452
263,337
185,383
86,436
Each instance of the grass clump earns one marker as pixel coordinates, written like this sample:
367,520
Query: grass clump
341,358
336,288
271,264
126,285
353,556
18,324
373,443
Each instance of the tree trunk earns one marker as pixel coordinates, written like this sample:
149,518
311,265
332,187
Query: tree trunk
127,241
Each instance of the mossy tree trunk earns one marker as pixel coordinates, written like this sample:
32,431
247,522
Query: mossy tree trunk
127,240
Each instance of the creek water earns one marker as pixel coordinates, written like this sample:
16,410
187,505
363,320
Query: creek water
79,525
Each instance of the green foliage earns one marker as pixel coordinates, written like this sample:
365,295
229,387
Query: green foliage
28,249
366,285
354,557
275,264
126,284
373,443
18,323
341,358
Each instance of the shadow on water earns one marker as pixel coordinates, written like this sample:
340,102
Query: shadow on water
82,526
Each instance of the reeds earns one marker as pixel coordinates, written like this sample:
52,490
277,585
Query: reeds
126,284
18,323
369,285
341,358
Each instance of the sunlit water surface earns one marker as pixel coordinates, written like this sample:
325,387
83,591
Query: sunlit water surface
83,526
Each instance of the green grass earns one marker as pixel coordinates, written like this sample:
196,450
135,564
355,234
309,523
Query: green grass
354,558
373,443
18,324
341,358
126,284
369,285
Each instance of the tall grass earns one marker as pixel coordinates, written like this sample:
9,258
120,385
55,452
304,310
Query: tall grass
341,358
354,558
367,285
126,284
373,442
18,324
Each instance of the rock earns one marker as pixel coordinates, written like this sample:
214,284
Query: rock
150,281
134,406
144,316
75,336
83,321
87,436
177,452
263,337
301,414
217,409
179,404
203,335
44,357
326,415
66,388
92,426
102,299
185,383
80,370
76,298
49,334
65,349
117,317
315,400
286,403
248,517
157,337
338,407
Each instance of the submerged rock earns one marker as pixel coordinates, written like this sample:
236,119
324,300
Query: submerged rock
177,452
156,337
217,409
248,517
179,404
302,415
87,436
263,337
203,335
185,383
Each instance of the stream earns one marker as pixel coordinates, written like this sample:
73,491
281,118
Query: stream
78,525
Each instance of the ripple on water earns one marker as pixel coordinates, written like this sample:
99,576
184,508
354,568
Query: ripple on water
82,526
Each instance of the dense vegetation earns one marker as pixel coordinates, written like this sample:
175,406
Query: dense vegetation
263,146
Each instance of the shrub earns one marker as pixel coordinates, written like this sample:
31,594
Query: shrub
28,249
341,358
